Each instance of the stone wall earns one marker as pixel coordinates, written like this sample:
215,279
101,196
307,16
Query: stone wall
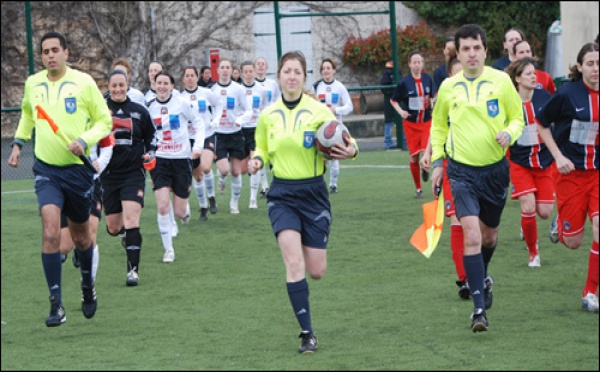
177,33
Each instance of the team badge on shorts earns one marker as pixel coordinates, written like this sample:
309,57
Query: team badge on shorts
70,105
492,107
309,139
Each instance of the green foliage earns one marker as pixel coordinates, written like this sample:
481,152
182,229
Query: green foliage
223,305
533,18
365,53
372,53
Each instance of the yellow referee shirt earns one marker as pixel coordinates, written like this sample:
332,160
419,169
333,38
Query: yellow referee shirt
477,109
285,138
76,105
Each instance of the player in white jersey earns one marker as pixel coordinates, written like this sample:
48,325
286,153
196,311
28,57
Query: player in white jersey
257,99
272,86
173,171
204,103
229,139
123,64
334,94
154,68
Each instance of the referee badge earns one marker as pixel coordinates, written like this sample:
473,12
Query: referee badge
492,107
309,139
70,105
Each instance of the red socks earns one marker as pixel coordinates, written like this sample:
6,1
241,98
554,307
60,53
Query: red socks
415,170
591,284
457,245
529,225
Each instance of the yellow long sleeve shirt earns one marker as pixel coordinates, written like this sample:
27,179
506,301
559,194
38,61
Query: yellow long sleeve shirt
76,105
477,109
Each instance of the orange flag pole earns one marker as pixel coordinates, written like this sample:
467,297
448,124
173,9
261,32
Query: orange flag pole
42,114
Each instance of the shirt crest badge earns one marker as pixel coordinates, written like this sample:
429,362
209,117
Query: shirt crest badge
70,105
309,139
492,107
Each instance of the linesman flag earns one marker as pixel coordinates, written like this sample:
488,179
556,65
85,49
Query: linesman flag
42,114
425,239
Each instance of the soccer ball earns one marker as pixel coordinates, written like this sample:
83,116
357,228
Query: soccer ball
330,133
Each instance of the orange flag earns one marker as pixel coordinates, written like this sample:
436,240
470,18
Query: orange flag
42,114
425,239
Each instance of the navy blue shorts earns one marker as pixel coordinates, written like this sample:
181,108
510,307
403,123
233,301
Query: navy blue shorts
479,191
301,205
230,145
96,204
173,173
69,187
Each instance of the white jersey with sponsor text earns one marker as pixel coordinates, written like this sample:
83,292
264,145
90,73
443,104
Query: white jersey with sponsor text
272,88
204,103
171,120
233,105
257,99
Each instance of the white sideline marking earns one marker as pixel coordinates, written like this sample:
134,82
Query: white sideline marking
17,191
341,166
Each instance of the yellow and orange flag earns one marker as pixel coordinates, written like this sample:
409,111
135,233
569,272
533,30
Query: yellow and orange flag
425,239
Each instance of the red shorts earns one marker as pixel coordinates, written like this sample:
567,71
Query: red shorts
448,199
417,136
576,196
554,171
532,180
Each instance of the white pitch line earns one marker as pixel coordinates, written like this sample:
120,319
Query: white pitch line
17,192
341,166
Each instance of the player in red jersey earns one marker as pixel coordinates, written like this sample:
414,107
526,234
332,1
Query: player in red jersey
530,159
573,111
521,50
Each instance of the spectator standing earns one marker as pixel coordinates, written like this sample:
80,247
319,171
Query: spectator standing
389,114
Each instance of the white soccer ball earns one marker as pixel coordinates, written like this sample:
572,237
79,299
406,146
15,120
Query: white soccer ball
330,133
